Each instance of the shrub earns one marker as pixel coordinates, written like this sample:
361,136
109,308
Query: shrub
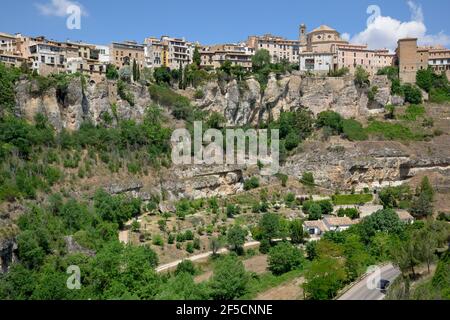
251,183
284,258
232,210
315,212
352,213
199,94
186,266
190,247
412,94
308,179
330,119
158,240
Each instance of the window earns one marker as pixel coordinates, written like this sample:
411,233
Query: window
43,59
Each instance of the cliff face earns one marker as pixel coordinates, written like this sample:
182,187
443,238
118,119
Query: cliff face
241,103
244,103
69,108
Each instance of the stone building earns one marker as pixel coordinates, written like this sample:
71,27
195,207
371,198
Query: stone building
412,58
237,54
124,53
279,48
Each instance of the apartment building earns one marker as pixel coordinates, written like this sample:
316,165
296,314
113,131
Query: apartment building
155,52
353,55
10,50
48,56
237,54
87,60
124,53
279,48
438,59
177,52
412,58
168,52
8,43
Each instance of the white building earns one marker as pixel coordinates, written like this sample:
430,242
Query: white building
315,62
104,55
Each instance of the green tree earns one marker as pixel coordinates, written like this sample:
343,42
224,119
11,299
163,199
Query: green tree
236,238
284,257
331,120
422,206
162,75
197,59
315,212
296,231
260,60
229,280
424,79
269,226
361,77
324,279
186,266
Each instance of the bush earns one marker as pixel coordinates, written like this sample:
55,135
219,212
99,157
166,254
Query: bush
199,94
412,94
284,258
190,247
315,212
352,213
361,77
251,183
158,240
308,179
232,210
331,120
186,266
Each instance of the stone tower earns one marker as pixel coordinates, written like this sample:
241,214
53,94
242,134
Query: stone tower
302,37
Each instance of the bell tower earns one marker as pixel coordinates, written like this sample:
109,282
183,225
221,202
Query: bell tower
302,36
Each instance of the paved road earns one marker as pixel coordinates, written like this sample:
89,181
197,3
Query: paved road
361,291
174,264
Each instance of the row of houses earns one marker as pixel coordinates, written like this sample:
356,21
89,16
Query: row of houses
320,51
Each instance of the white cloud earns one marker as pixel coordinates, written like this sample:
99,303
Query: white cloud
385,31
345,36
58,8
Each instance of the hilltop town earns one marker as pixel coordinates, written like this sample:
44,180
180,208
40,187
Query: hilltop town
320,51
87,176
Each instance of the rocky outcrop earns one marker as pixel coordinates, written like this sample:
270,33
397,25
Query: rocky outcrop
67,108
364,164
8,245
245,103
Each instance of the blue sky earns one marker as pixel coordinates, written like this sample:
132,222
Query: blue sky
210,21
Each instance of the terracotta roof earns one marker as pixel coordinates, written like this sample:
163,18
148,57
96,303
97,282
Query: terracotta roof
339,221
316,224
324,28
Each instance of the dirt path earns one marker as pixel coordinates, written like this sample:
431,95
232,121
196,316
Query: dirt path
174,264
287,291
